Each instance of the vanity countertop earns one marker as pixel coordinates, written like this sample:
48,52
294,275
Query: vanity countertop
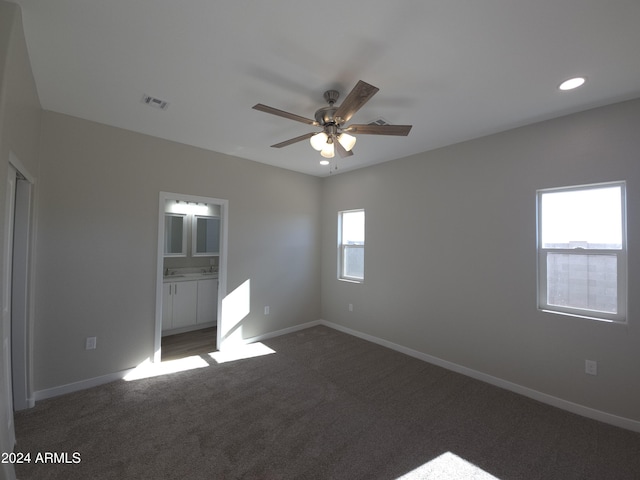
185,277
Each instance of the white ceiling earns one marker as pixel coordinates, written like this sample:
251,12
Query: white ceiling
454,69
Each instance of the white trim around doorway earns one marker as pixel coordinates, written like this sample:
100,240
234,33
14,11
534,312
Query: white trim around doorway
222,265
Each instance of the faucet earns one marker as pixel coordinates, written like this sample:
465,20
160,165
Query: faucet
166,271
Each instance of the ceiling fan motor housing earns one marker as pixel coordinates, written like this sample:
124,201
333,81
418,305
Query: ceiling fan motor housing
325,115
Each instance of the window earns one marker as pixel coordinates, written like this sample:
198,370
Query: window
351,245
582,261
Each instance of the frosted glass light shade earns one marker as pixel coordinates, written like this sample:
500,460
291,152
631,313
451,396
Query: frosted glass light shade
347,141
318,141
324,162
328,150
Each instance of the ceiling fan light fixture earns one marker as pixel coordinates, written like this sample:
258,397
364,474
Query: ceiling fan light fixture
332,120
328,150
324,161
318,141
347,141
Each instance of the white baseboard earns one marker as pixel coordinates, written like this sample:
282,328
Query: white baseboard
191,328
284,331
81,385
94,382
572,407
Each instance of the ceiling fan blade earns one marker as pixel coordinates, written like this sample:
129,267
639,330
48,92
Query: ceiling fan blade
282,113
401,130
341,150
294,140
357,97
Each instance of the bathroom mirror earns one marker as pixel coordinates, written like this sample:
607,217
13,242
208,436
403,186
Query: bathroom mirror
175,235
206,236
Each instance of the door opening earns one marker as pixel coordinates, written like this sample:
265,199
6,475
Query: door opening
20,331
16,351
185,285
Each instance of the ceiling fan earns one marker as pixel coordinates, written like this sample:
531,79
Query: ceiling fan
335,135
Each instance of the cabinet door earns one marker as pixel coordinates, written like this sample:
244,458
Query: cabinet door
184,304
167,306
207,300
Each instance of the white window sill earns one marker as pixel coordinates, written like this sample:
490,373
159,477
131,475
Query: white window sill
586,317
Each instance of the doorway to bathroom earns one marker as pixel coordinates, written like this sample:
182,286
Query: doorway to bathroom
191,271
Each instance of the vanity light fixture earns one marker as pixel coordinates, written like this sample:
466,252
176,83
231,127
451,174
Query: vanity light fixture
572,83
188,208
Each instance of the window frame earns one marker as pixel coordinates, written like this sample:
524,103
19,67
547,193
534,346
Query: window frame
621,260
343,248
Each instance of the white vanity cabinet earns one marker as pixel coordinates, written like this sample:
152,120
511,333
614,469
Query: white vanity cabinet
207,300
189,303
179,307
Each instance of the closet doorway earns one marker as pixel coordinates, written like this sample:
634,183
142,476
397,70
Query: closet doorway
192,256
18,280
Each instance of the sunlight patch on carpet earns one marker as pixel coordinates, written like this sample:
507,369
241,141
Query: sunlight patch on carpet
148,369
241,352
448,466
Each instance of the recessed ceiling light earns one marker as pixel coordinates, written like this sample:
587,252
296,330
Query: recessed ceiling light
572,83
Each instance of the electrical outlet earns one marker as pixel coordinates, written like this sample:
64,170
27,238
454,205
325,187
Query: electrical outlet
351,307
266,310
91,343
591,367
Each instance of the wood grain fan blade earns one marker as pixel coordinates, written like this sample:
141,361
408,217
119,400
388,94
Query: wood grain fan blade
294,140
400,130
282,113
357,97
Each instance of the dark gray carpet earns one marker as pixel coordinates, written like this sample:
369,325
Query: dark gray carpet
327,406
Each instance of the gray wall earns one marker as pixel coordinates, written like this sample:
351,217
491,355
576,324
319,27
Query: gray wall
450,256
19,131
97,242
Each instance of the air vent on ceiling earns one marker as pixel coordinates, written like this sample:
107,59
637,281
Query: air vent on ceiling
379,121
155,102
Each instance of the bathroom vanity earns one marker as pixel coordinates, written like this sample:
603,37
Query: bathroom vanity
189,302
